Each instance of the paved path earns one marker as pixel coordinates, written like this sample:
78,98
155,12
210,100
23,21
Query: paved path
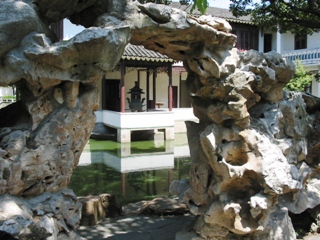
132,226
137,227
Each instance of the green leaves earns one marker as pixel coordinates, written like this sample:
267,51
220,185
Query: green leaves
295,16
302,78
201,5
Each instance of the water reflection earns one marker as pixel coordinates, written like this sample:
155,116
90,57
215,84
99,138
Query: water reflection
133,172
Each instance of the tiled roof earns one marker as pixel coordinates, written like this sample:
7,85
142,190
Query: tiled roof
215,12
139,53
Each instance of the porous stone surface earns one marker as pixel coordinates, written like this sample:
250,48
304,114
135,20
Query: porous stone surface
46,216
162,206
96,208
254,153
43,134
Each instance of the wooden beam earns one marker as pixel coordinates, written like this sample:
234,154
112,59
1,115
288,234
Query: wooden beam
170,87
122,88
154,84
148,87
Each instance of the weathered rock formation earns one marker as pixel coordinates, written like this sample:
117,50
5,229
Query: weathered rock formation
96,208
163,206
43,134
254,153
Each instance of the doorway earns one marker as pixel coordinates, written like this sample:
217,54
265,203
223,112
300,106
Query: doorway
111,95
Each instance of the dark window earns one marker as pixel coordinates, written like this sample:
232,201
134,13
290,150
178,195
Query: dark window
267,46
300,41
247,36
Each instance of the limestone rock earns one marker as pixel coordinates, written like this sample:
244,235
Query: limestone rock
43,135
171,31
179,187
312,102
255,152
261,165
17,15
95,208
163,206
37,217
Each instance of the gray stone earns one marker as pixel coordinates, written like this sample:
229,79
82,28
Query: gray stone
17,15
163,206
254,152
96,208
38,218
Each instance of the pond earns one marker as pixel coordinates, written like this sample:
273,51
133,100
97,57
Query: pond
140,170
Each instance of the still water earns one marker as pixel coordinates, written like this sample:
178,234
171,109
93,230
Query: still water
135,171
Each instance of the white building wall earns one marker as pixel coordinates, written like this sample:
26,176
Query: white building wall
6,91
162,89
315,88
274,42
287,42
313,41
260,41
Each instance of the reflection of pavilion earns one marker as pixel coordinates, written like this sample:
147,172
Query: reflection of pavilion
127,162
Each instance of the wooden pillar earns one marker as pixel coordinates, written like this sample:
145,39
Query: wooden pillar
154,93
148,86
122,88
180,90
170,87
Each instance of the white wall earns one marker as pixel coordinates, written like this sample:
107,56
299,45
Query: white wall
6,91
315,89
287,42
313,41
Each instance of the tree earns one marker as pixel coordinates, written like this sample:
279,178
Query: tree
296,16
302,78
201,5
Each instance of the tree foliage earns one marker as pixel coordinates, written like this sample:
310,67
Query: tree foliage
201,5
296,16
302,78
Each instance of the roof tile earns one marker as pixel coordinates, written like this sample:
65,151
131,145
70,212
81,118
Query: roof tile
139,53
